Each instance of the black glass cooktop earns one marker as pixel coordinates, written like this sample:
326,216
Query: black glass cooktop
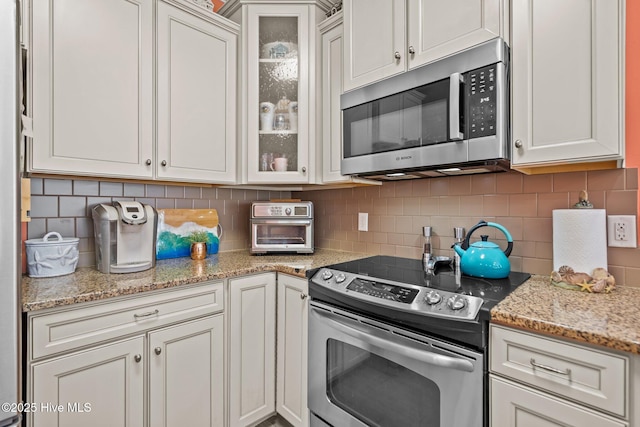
411,271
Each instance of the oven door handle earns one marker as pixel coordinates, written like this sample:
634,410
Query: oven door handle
282,221
406,350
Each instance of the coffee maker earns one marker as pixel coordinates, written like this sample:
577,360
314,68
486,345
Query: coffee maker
125,236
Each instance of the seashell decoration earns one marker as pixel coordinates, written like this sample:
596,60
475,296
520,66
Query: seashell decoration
599,281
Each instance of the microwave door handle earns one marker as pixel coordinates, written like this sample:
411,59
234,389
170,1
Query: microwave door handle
455,85
406,350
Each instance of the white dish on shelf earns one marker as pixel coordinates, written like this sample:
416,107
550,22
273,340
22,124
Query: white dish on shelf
278,50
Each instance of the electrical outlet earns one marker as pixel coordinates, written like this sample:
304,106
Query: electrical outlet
621,231
363,221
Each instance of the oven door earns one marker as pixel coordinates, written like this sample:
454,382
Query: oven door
275,235
366,373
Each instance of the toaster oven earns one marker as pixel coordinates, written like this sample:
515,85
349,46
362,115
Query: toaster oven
278,227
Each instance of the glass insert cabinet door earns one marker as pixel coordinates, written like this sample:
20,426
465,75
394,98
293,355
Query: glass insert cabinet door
278,136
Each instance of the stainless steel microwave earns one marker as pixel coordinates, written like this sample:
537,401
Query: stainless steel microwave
448,117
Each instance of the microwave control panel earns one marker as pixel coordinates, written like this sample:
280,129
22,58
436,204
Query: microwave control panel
481,86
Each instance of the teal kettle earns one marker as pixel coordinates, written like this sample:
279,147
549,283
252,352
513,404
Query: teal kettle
483,258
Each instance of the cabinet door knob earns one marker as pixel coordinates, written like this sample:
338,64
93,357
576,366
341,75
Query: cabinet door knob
518,143
412,51
148,162
137,358
157,350
304,169
303,296
163,163
397,55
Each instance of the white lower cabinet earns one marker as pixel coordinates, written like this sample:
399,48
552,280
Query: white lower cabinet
186,374
541,381
257,389
85,374
252,340
513,405
291,383
109,379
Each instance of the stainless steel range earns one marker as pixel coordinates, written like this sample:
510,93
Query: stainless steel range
393,345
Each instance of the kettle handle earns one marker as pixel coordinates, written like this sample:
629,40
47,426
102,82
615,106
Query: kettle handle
483,223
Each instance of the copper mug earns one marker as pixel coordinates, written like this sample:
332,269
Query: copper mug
198,250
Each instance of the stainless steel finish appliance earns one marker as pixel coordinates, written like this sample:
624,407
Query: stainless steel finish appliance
449,117
10,255
278,227
391,344
125,236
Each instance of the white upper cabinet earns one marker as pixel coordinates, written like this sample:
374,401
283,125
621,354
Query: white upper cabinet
567,81
92,87
387,37
93,101
279,87
197,91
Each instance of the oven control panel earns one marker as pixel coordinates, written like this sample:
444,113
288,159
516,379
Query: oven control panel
282,210
400,296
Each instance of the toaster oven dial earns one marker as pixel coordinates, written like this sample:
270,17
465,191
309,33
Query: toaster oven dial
287,211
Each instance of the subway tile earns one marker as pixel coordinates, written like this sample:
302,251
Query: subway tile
509,183
523,205
596,197
537,230
627,257
412,240
184,204
346,246
547,202
84,227
86,259
389,250
264,195
133,190
146,201
439,186
94,201
569,181
372,191
73,206
37,186
537,183
387,223
388,189
58,187
421,188
471,205
483,183
544,250
411,206
113,189
537,266
379,237
154,190
374,223
223,193
622,202
192,192
86,188
36,228
395,238
631,179
174,192
395,207
495,205
65,226
165,203
514,225
201,204
449,205
404,188
632,277
378,207
460,185
209,193
428,205
86,245
606,180
44,206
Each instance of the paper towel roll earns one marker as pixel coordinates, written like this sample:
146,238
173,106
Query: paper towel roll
580,239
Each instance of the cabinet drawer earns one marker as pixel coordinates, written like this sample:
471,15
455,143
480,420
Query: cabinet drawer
79,326
582,374
514,405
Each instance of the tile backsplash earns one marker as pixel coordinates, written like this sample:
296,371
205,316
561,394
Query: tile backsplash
64,205
522,203
397,212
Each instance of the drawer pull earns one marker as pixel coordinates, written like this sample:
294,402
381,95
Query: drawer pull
147,314
549,368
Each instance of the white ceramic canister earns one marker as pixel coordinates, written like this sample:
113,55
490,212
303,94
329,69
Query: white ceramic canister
52,255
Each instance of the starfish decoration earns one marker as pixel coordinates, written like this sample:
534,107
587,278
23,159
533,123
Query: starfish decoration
584,286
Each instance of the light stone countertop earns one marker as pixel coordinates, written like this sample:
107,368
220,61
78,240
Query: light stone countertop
88,284
611,320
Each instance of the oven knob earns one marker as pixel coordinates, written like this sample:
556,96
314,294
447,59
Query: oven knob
287,211
456,302
327,274
433,297
340,277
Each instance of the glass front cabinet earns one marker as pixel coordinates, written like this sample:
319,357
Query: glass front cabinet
279,97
